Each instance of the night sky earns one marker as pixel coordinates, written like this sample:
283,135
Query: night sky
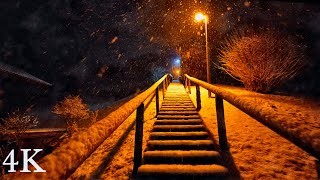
105,48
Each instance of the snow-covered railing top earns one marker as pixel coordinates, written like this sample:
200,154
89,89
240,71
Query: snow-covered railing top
68,157
278,124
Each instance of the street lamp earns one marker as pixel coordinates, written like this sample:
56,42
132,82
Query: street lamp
201,17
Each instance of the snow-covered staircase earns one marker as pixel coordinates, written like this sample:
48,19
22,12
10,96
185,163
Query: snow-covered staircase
179,145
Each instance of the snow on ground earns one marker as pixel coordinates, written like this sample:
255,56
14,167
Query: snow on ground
257,151
302,112
114,158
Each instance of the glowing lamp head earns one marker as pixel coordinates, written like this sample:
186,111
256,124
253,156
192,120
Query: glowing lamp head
200,17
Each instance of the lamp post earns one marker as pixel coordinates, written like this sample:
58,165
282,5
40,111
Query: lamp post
202,17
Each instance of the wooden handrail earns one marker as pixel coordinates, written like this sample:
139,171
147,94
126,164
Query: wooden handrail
64,160
137,159
262,117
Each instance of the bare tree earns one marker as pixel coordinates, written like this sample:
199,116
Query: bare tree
16,124
72,110
13,127
262,60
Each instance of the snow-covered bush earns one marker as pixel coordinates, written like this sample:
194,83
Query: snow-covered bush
16,124
13,127
72,110
262,60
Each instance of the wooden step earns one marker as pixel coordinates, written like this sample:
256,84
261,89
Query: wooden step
178,128
176,94
180,171
177,101
180,145
178,122
193,135
178,106
177,109
178,112
178,117
181,157
177,98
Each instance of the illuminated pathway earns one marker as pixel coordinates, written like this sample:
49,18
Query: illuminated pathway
179,145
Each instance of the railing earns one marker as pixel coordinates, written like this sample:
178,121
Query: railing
64,160
223,141
137,159
221,94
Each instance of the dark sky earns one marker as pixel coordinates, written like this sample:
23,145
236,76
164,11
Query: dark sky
68,43
114,32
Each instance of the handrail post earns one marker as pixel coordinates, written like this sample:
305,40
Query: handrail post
163,89
198,97
167,81
137,159
185,82
221,124
189,84
157,101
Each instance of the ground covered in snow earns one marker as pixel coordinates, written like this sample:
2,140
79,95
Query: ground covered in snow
257,151
114,158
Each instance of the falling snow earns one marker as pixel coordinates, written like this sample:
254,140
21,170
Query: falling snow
258,152
106,51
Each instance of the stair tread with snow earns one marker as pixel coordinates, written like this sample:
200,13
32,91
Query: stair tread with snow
178,109
178,116
178,112
180,145
179,122
212,170
182,157
174,128
179,135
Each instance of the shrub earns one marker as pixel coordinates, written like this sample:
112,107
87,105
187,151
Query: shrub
13,127
16,124
262,61
93,117
72,110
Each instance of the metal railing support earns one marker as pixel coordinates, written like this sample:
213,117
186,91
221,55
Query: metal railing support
163,89
198,97
223,141
137,159
167,82
185,83
189,84
157,101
